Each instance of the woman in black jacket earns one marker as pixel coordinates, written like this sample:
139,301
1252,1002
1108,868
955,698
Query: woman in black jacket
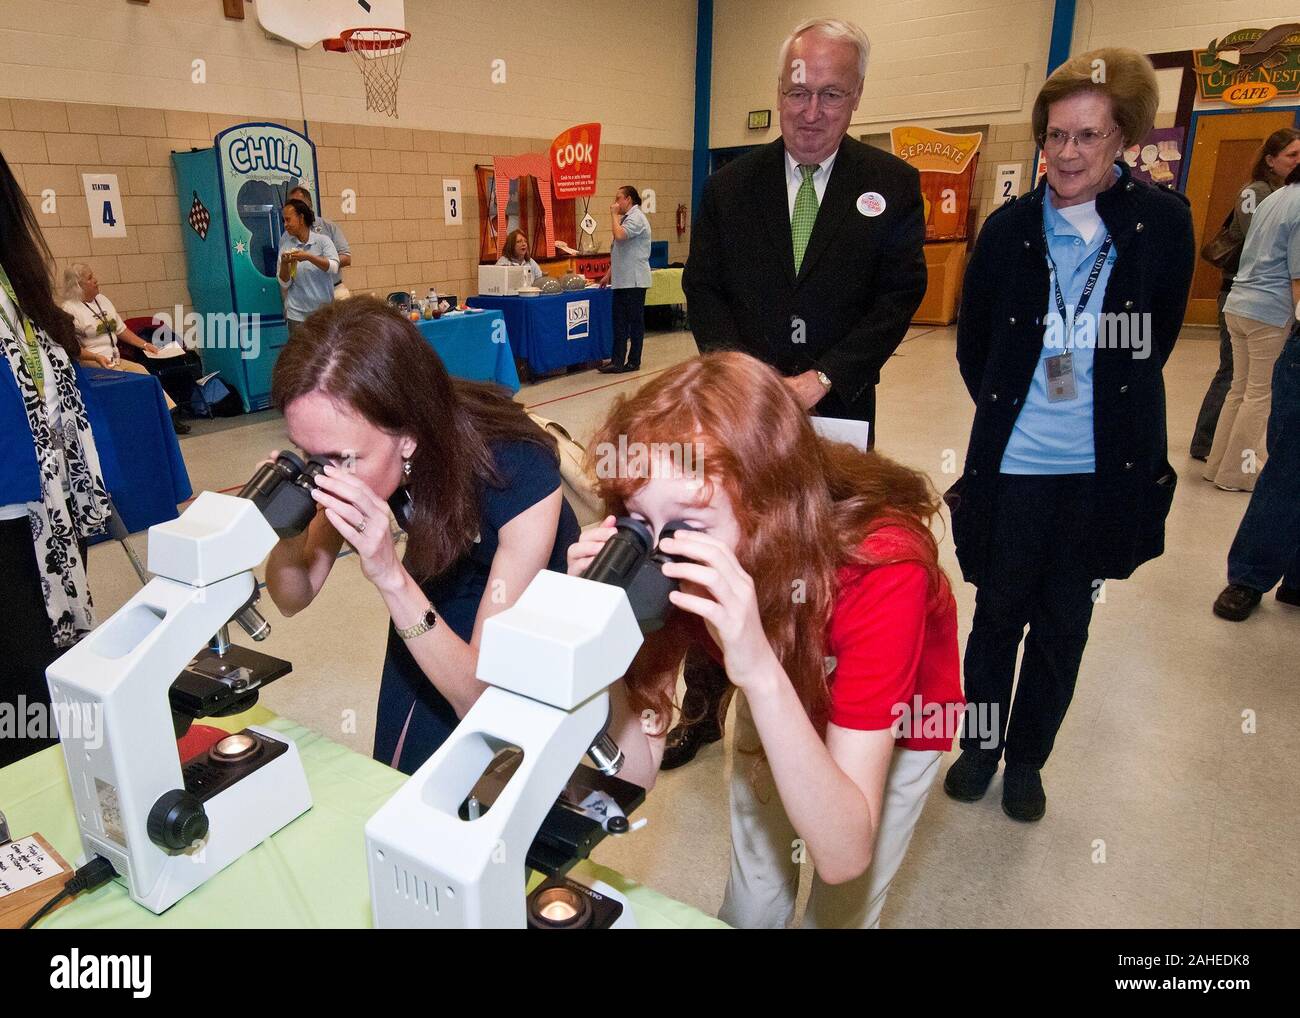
1072,303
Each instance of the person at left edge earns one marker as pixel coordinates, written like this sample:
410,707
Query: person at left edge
478,481
52,494
309,261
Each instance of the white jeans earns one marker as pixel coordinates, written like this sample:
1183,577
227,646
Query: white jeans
1238,453
764,862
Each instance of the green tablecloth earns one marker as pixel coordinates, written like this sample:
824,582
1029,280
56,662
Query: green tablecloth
665,288
312,873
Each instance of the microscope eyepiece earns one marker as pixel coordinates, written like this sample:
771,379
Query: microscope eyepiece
281,489
630,560
618,561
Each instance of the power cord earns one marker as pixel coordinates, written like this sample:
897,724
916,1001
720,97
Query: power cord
98,871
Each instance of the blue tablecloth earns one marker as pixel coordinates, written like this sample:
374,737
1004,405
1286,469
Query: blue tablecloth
553,331
138,451
474,346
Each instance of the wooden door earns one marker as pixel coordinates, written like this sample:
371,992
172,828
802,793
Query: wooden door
1221,158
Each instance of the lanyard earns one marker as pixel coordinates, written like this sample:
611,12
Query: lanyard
31,351
1087,286
102,316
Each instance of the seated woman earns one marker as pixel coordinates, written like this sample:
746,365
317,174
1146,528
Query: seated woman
516,253
473,481
814,579
101,330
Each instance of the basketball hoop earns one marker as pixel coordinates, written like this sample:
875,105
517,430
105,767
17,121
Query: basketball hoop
378,53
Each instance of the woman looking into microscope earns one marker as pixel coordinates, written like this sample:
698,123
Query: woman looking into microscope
475,484
814,579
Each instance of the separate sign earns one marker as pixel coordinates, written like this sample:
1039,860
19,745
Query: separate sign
578,319
574,157
947,164
451,202
934,151
104,199
1006,182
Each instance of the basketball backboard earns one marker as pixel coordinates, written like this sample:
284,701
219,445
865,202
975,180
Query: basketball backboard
308,22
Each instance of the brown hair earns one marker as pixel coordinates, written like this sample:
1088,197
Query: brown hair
1272,146
512,238
26,260
369,357
1124,76
804,506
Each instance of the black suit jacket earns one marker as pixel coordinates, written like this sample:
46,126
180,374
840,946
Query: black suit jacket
861,280
999,341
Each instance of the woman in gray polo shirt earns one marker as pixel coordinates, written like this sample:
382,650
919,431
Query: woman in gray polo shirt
308,263
629,267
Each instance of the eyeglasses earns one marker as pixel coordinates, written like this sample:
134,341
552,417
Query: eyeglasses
828,98
1054,140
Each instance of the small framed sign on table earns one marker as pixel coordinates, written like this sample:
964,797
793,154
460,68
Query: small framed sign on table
760,120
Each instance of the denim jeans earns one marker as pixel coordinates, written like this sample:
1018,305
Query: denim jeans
1267,546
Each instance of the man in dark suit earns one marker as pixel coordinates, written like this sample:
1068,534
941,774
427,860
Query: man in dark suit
807,254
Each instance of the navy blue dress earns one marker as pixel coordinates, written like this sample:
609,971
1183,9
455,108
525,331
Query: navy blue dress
411,711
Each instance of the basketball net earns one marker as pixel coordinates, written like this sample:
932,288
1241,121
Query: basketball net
378,54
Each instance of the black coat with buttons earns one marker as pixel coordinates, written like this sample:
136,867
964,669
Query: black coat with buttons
1000,338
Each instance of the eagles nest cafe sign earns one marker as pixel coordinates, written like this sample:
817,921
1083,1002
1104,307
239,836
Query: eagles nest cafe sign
1250,66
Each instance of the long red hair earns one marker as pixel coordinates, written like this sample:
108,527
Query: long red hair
804,506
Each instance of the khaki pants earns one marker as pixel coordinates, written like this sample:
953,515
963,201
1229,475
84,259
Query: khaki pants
1238,453
764,863
140,369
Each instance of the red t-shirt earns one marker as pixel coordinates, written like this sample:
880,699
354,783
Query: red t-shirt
895,648
894,644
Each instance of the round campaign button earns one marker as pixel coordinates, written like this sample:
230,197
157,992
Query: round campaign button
871,203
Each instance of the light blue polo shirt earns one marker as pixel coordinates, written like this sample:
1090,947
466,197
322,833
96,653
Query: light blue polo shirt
1057,438
629,260
310,287
1270,259
335,233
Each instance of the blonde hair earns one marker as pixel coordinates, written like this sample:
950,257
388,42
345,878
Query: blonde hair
1124,76
72,277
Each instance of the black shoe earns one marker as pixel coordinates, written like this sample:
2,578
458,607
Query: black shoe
1289,595
631,367
968,778
685,741
611,369
1201,457
1236,602
1023,798
179,426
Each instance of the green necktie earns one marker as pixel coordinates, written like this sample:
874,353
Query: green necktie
805,214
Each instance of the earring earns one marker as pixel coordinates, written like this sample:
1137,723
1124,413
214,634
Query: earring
406,468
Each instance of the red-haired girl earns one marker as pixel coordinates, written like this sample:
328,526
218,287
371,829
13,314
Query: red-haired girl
814,579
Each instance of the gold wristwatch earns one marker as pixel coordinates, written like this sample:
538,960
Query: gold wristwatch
427,621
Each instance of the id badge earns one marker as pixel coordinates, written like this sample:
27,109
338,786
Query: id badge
1061,384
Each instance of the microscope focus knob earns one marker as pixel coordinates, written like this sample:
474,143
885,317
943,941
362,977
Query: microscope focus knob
177,820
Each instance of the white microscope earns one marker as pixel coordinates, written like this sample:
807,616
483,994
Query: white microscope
452,847
137,680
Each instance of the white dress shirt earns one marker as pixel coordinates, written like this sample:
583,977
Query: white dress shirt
793,178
